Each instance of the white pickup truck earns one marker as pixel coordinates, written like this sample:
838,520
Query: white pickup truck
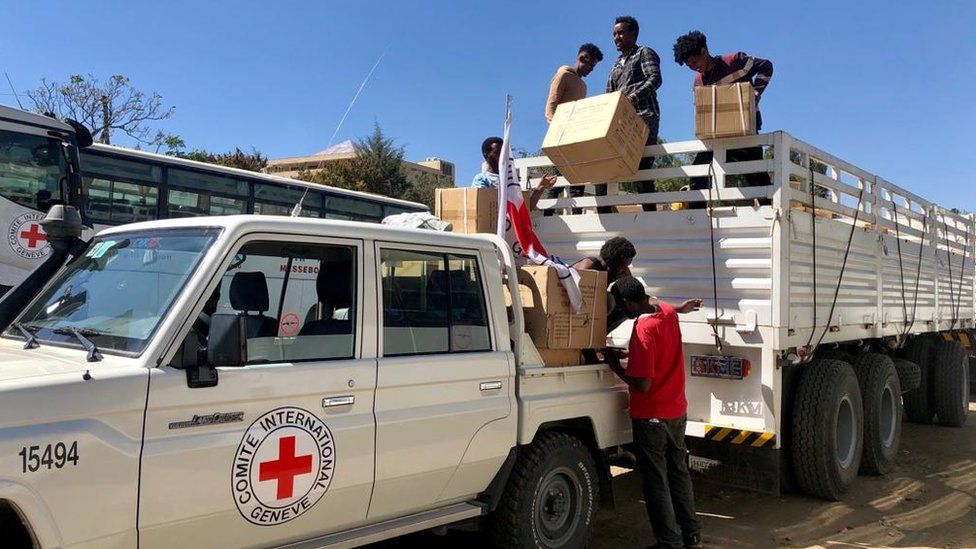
254,381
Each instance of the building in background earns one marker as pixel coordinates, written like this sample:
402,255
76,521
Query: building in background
290,167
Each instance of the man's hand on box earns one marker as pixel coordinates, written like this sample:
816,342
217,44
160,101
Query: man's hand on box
548,181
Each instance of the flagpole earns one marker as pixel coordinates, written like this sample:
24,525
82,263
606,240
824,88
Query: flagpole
502,188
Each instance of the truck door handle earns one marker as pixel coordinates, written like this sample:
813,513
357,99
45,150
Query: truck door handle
491,385
332,402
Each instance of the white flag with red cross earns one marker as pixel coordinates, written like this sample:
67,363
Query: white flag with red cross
515,226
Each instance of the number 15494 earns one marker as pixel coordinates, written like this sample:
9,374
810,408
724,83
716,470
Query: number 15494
51,456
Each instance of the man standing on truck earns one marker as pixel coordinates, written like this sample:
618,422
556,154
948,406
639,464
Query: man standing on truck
567,85
488,178
655,373
692,50
637,74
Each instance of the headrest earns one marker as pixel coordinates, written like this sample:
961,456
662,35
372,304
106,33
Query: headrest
334,283
437,282
249,292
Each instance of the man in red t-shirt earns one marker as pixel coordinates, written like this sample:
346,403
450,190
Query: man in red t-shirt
656,375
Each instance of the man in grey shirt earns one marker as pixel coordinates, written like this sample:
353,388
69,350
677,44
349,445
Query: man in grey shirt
637,74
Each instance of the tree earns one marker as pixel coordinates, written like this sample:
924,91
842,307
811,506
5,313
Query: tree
424,189
377,168
105,107
252,161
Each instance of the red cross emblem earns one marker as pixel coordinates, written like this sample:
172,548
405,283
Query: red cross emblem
33,235
286,467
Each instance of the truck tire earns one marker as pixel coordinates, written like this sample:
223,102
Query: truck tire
881,397
972,377
551,496
828,429
909,374
918,403
951,384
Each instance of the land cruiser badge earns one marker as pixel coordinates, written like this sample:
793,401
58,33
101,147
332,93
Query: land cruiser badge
283,466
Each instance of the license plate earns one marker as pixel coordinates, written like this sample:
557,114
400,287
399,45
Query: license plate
721,367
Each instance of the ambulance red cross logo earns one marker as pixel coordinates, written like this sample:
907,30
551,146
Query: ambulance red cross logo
283,466
26,237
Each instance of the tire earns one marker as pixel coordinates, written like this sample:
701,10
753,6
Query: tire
881,397
836,354
551,496
828,429
972,377
951,384
918,403
909,375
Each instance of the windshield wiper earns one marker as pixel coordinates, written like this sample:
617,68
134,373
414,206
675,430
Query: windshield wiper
28,335
93,354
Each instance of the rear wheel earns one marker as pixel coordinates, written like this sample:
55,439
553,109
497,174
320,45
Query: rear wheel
918,403
881,395
551,496
951,384
828,433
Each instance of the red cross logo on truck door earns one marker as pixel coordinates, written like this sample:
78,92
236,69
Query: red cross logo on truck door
286,467
283,466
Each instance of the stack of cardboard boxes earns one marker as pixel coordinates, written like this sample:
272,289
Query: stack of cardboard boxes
558,333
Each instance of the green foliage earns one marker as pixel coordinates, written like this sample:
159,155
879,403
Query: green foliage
423,189
377,168
252,161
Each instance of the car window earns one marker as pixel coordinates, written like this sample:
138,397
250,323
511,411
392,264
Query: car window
432,303
299,301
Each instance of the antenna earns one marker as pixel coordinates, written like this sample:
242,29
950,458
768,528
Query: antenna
362,86
17,97
297,210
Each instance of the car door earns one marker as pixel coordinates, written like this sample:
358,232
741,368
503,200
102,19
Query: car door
282,448
445,388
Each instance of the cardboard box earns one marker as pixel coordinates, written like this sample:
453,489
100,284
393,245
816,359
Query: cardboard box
470,210
727,110
549,318
554,358
598,139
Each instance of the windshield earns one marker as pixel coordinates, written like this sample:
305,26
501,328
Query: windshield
120,290
32,168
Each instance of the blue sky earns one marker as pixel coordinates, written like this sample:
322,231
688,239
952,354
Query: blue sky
889,87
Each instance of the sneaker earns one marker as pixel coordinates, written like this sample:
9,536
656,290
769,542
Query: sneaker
694,540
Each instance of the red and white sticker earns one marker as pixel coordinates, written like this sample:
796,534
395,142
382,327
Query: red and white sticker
27,238
283,466
289,325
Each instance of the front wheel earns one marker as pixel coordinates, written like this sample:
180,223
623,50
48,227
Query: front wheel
551,496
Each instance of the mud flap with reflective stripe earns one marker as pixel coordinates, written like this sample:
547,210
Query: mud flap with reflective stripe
756,439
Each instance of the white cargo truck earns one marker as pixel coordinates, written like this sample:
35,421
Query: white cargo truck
252,381
823,303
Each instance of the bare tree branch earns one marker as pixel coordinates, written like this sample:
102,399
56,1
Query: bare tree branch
83,98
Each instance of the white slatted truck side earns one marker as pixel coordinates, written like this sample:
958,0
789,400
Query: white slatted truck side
256,381
813,325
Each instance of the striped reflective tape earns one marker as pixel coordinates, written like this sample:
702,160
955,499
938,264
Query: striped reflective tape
756,439
962,337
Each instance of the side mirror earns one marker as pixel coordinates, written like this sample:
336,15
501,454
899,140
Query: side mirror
227,343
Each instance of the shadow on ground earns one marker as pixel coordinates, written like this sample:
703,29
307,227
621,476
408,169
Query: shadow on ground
928,501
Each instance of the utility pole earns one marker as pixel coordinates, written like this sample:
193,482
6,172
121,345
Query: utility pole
106,122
